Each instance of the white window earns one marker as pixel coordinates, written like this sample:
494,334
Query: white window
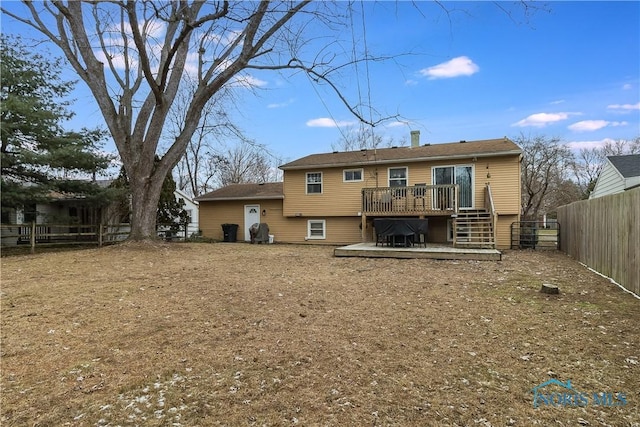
397,177
314,182
352,175
316,229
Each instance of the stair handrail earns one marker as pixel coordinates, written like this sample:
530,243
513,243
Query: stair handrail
488,200
491,208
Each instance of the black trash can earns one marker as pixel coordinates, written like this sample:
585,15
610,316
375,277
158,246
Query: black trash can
230,232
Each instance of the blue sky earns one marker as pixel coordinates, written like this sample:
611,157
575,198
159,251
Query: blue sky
570,70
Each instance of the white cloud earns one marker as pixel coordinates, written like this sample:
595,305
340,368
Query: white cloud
153,29
325,122
542,119
624,107
281,104
411,82
591,125
577,145
559,101
246,81
627,86
226,39
118,60
460,66
397,124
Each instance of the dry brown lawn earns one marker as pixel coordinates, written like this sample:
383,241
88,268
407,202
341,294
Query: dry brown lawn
238,334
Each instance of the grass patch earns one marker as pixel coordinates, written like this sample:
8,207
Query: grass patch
237,334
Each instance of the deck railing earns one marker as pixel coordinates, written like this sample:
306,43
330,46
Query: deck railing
490,207
415,200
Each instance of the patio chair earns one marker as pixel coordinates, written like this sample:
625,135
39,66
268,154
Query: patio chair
419,196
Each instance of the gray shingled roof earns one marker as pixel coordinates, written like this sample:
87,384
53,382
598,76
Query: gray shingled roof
628,165
462,149
268,190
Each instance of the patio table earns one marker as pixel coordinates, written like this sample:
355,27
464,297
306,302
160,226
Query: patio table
388,230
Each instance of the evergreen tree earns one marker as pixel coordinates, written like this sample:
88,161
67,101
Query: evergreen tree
38,156
170,210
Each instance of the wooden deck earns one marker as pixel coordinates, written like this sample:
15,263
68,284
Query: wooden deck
432,251
418,200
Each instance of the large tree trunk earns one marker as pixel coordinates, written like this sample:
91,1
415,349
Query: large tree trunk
143,215
145,194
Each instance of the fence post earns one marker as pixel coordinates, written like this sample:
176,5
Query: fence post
100,235
33,237
186,230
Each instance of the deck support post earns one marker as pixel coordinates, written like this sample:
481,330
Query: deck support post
363,225
454,225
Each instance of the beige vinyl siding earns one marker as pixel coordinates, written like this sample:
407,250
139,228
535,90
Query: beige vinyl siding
338,230
338,198
341,230
438,231
341,198
505,183
503,230
215,213
503,173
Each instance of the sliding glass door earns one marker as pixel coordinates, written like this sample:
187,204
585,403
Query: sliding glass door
461,175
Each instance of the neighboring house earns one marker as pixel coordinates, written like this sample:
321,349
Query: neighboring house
191,207
468,191
619,173
65,209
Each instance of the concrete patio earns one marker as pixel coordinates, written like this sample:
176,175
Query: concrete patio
432,251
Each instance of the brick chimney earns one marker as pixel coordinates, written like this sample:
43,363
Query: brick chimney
415,138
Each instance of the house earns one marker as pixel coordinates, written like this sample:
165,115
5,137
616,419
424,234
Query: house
63,211
245,205
469,191
619,173
191,207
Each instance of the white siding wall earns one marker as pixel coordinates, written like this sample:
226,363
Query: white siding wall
609,182
191,207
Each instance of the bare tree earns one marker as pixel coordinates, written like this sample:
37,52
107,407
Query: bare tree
197,168
546,165
133,55
364,137
209,162
245,163
590,161
621,147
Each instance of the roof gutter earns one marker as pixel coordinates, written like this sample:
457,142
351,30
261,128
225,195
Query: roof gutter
216,199
409,160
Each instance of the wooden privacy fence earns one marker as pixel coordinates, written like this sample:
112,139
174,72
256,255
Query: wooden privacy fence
33,234
604,234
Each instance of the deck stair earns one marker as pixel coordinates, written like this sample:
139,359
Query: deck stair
474,229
